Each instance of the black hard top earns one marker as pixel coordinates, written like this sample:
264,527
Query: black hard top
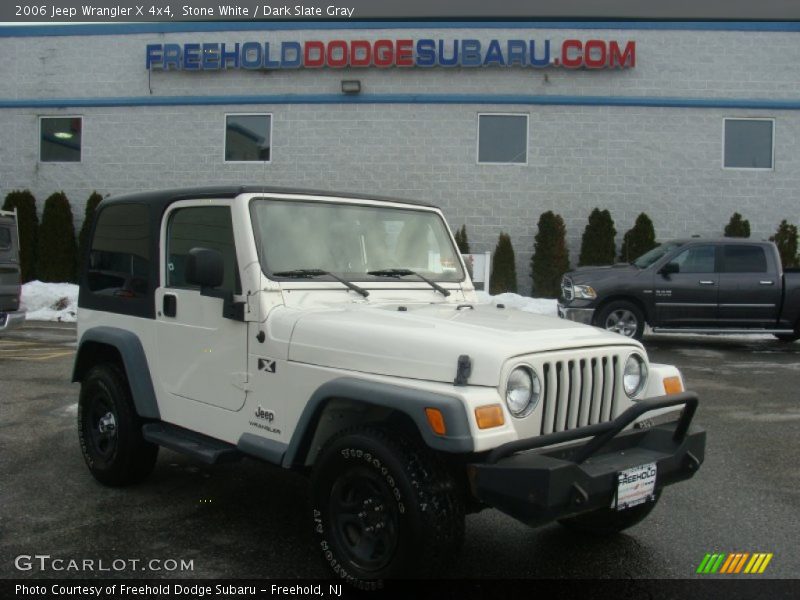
164,198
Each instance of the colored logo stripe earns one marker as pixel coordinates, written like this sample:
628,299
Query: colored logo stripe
734,563
758,564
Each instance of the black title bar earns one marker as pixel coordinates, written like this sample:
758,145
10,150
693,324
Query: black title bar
77,11
732,588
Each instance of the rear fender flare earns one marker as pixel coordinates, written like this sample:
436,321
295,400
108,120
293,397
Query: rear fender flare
134,361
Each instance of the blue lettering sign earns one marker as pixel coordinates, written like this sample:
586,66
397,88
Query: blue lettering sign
494,54
191,57
288,48
211,57
228,56
426,53
471,53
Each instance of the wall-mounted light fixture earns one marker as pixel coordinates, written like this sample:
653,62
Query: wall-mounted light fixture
351,86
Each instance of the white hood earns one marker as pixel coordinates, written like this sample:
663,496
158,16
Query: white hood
425,340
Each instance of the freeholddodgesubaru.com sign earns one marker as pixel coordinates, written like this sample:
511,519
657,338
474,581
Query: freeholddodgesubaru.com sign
384,53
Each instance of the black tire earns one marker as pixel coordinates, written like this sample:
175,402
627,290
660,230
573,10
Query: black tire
110,431
368,477
623,317
609,521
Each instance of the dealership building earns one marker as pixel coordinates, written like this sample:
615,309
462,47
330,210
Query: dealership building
493,122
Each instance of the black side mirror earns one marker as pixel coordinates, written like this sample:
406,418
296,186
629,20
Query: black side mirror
205,268
670,268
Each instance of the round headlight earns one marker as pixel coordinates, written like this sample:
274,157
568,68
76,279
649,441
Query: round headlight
634,376
523,390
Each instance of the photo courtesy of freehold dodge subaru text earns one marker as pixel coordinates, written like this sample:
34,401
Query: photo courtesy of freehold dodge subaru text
422,299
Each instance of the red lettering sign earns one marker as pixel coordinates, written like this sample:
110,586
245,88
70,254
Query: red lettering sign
319,59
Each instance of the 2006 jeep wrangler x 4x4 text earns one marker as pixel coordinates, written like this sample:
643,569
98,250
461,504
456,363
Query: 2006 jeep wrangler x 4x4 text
340,335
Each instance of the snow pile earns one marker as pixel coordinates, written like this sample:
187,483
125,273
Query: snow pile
542,306
50,301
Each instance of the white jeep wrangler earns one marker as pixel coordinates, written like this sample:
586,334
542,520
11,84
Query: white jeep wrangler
341,335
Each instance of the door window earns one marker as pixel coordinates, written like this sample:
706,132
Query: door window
5,238
744,259
201,227
697,259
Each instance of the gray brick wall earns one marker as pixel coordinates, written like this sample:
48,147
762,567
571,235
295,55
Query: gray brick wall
664,161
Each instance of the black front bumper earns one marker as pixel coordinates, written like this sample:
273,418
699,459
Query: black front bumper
535,483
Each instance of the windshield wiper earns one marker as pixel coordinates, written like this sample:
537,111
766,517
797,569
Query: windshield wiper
403,272
303,273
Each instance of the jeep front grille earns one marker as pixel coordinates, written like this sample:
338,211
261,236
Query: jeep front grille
567,291
579,392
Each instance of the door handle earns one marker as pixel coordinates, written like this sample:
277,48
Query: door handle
170,306
706,282
766,282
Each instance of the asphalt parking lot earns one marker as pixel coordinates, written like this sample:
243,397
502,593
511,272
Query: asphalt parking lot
250,520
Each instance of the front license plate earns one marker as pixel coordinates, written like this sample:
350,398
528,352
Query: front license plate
635,486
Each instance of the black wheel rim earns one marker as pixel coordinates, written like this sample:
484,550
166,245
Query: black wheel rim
102,425
364,519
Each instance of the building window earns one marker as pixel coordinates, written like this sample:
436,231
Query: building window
503,138
248,138
748,143
60,139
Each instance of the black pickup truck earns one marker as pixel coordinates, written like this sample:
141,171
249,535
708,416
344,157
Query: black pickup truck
694,286
10,313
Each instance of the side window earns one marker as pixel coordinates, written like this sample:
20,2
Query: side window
697,259
5,238
119,261
201,227
744,259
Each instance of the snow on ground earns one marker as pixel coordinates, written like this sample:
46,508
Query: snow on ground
50,301
542,306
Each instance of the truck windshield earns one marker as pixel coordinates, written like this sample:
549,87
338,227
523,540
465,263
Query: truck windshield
352,240
648,258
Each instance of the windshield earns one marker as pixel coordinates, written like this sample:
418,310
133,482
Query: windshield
351,240
648,258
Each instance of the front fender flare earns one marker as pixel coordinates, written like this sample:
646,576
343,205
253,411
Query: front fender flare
411,402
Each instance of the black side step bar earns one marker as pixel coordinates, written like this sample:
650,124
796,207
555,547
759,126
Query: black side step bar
205,449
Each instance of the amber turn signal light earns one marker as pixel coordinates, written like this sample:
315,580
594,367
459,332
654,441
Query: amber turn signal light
673,385
436,420
489,416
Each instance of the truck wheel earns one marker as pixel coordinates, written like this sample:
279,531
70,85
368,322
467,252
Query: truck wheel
609,521
383,507
621,317
110,431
